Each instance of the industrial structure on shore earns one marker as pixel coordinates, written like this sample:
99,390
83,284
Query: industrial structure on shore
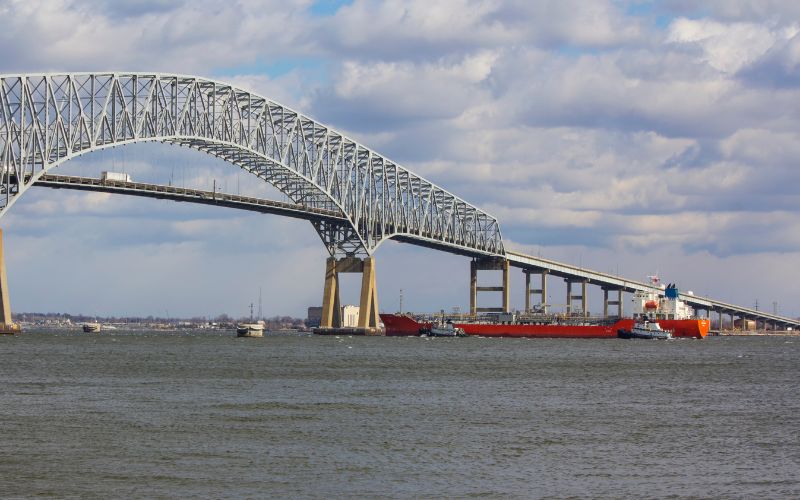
354,197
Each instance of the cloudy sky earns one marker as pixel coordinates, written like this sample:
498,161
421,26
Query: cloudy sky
631,137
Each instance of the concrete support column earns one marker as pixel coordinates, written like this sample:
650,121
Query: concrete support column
473,288
527,291
331,307
585,298
620,306
506,287
5,305
543,291
368,308
605,302
569,297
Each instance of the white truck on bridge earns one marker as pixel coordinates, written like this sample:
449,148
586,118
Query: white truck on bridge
115,177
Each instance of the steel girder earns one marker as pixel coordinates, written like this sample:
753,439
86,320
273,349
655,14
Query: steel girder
48,119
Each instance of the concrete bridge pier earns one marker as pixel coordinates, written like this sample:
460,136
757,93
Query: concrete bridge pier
368,319
583,296
541,292
618,302
7,326
488,264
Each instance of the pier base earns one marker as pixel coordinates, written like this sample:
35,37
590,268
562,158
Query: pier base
348,330
368,318
7,326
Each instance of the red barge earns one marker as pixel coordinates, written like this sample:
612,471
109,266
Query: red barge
667,310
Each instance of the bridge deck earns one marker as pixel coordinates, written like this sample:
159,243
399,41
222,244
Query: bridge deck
176,193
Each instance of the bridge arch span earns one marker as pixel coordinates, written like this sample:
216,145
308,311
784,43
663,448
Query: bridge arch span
47,119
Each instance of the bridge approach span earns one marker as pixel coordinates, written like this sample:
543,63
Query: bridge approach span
527,263
611,282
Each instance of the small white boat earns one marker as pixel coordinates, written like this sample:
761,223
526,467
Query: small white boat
92,327
645,330
250,330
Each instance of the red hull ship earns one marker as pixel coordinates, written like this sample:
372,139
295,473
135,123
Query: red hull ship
405,325
661,305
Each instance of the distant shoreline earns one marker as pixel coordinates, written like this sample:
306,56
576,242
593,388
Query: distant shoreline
778,333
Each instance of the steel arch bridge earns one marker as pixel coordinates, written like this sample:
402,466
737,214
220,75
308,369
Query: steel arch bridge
47,119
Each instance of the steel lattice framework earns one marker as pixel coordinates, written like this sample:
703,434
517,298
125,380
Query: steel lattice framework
48,119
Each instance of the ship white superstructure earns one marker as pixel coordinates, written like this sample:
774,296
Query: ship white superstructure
664,304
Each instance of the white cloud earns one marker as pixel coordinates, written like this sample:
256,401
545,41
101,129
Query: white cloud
726,47
45,35
768,12
418,29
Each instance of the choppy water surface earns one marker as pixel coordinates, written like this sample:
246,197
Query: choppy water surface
153,414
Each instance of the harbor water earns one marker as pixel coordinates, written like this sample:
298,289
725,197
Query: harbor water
147,414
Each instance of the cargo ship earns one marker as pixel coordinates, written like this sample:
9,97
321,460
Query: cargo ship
495,326
667,310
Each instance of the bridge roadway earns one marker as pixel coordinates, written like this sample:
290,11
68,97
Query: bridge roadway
526,262
176,193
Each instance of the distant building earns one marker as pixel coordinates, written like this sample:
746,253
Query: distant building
746,325
314,317
349,316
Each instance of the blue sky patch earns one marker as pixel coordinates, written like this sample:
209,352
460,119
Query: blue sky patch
328,7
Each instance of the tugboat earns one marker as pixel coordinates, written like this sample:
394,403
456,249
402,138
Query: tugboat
645,330
446,330
442,328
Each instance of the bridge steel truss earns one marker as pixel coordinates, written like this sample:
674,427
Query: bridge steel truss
48,119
